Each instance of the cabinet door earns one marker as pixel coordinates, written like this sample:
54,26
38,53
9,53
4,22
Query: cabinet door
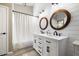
49,48
37,44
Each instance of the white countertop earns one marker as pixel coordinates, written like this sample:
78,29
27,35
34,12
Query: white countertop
76,42
52,36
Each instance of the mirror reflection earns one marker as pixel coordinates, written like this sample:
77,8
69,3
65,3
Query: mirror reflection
60,19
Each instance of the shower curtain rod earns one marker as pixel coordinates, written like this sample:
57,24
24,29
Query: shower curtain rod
24,13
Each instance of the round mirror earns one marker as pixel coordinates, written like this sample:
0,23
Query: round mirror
60,19
43,23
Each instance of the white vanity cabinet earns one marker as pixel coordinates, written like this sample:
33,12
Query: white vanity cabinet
50,46
53,47
38,44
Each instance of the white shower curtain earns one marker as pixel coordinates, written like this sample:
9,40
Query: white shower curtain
22,35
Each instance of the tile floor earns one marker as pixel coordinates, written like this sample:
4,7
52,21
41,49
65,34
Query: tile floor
25,52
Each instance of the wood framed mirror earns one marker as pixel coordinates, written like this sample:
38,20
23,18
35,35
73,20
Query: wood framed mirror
60,19
43,23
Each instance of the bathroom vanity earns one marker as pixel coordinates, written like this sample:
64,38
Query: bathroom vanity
50,45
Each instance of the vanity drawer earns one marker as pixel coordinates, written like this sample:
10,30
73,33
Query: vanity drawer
40,47
40,52
51,42
40,39
39,42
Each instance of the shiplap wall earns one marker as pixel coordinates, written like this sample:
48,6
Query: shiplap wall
72,30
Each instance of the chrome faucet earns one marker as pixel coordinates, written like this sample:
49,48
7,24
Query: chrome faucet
55,33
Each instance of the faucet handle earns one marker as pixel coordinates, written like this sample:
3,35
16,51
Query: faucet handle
48,32
60,34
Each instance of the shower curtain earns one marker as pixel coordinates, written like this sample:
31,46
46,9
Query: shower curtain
22,34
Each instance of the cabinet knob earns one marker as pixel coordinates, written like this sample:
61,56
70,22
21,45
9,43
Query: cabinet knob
39,42
48,49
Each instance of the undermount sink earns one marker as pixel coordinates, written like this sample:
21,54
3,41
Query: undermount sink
53,36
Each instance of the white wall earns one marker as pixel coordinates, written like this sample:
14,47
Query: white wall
38,7
72,30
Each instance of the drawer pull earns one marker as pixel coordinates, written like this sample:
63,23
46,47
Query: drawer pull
48,41
48,49
40,38
39,43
